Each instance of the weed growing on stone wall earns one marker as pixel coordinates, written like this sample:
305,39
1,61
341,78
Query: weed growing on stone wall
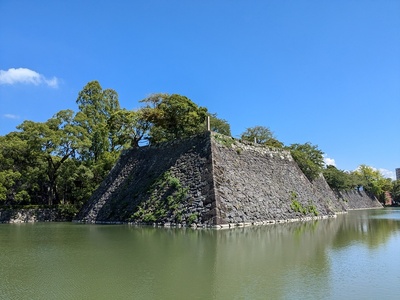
312,209
173,181
192,218
224,140
297,207
239,150
166,195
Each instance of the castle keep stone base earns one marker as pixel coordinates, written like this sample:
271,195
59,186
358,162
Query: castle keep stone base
212,180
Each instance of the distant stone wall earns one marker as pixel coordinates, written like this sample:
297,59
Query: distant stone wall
29,215
355,199
225,182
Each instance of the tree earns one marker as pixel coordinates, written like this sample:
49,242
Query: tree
396,191
96,108
309,158
172,117
20,170
219,125
129,127
373,181
54,142
337,179
261,135
257,134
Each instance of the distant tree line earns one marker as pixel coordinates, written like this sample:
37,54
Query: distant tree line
63,160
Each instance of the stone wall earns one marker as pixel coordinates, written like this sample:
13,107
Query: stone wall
132,180
224,182
255,184
29,215
356,199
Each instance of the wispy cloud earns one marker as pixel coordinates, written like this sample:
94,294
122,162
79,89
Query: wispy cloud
26,76
11,116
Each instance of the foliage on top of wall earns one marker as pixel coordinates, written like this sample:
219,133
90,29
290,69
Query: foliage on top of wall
224,140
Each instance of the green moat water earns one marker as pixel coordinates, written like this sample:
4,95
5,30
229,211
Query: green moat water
356,256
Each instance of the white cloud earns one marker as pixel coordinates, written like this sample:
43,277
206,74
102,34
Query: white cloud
387,173
27,76
329,161
11,116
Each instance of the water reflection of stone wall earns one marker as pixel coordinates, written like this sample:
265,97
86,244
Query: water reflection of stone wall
226,182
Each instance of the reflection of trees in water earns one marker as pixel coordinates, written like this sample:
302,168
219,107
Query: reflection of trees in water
269,257
371,227
244,262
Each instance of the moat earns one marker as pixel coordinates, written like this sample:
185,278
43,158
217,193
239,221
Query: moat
354,256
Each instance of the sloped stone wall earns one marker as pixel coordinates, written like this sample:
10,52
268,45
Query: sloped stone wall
226,182
255,184
356,199
130,181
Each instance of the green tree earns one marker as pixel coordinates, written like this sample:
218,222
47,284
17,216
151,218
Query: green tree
96,106
219,125
257,134
309,158
75,183
261,135
396,191
129,127
20,170
373,181
54,142
173,117
338,179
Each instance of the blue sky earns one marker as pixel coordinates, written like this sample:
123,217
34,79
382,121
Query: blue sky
325,72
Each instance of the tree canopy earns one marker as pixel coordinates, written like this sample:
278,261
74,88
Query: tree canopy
257,134
172,116
261,135
96,106
373,181
219,125
339,180
309,158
